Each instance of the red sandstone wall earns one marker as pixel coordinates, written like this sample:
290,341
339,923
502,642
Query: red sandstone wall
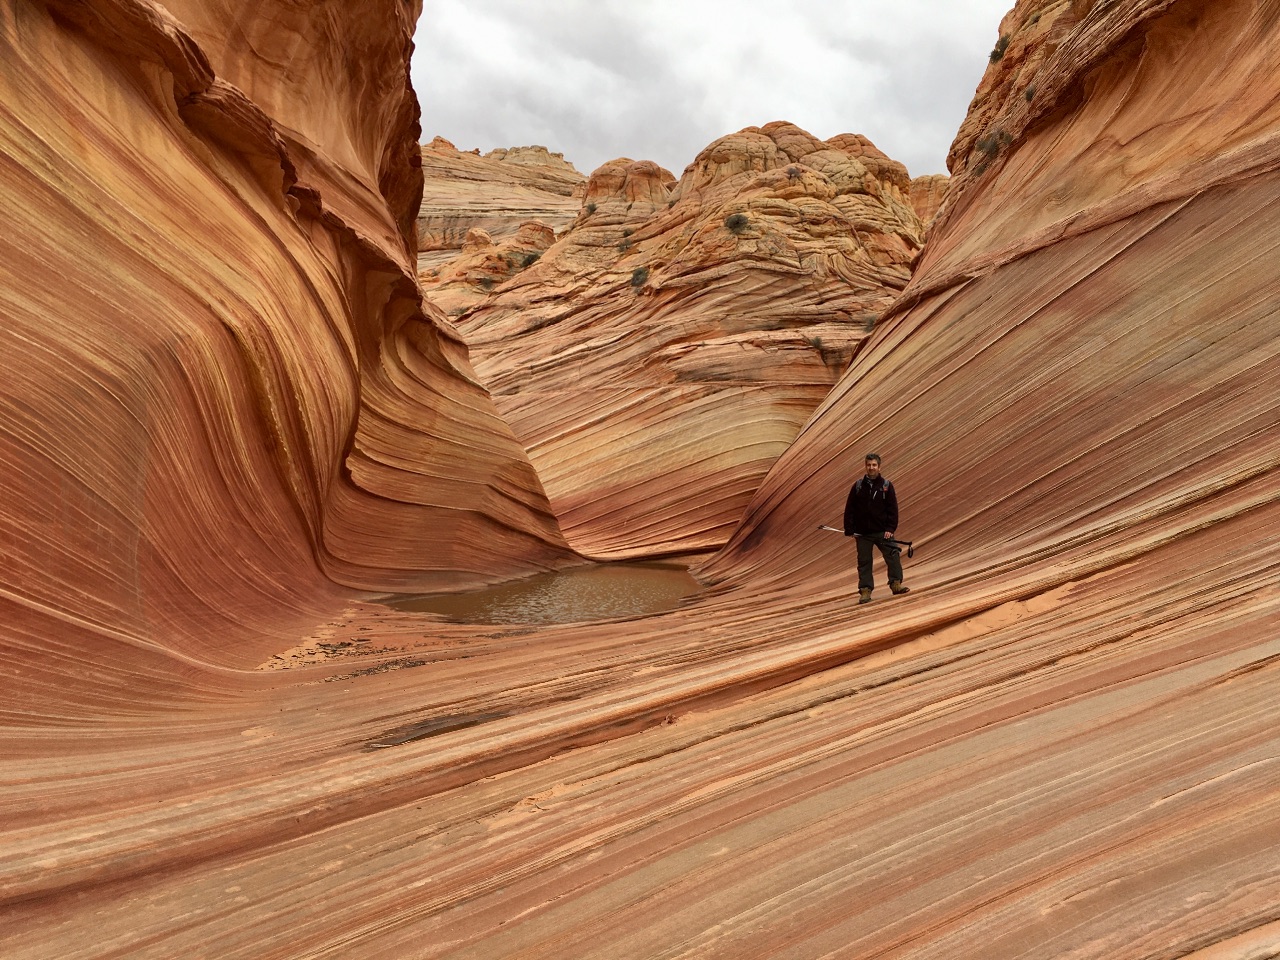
223,394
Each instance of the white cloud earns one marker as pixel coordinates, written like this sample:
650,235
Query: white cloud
659,80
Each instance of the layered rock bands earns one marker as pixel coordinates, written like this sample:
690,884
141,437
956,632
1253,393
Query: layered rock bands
223,392
494,194
224,404
662,353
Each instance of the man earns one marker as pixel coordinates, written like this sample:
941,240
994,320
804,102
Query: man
871,515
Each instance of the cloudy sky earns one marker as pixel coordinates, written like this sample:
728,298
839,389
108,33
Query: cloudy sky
660,79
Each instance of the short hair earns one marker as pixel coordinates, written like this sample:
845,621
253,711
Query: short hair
871,456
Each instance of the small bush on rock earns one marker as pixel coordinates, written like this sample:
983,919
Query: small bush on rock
990,145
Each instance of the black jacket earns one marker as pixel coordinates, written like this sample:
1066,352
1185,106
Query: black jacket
872,507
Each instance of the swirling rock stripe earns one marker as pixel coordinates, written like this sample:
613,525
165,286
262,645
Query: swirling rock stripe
222,390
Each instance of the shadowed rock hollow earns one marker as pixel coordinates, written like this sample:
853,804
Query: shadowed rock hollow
1062,743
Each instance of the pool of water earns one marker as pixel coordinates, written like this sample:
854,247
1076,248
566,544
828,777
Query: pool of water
601,591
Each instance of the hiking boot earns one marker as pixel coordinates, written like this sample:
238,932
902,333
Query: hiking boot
864,594
897,587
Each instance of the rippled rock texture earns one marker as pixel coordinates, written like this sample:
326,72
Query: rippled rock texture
496,193
927,195
1062,743
463,283
223,392
661,354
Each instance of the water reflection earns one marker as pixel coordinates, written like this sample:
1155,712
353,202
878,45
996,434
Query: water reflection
602,591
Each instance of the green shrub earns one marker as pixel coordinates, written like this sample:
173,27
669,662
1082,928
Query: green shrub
990,144
1001,46
530,259
737,222
590,208
639,277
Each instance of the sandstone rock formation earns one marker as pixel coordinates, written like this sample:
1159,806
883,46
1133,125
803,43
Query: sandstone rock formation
1061,744
534,156
662,353
496,193
927,195
223,391
465,282
1076,398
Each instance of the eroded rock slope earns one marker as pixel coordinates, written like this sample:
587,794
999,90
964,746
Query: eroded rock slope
658,357
496,193
223,392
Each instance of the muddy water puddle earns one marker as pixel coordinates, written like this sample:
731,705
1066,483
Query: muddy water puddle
602,591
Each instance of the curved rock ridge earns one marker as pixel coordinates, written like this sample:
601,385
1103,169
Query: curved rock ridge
1077,396
1029,36
1093,294
223,393
497,193
1081,375
660,355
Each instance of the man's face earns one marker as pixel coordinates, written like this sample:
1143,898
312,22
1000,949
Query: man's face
873,468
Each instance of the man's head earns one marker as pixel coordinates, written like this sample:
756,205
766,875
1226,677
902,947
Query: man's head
871,463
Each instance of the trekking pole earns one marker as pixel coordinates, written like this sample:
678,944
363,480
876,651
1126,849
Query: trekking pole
897,543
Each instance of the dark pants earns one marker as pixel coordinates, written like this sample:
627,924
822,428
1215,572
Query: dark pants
890,552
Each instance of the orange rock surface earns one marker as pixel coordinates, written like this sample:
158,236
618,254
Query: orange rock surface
496,193
927,195
465,281
1062,743
660,356
223,391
